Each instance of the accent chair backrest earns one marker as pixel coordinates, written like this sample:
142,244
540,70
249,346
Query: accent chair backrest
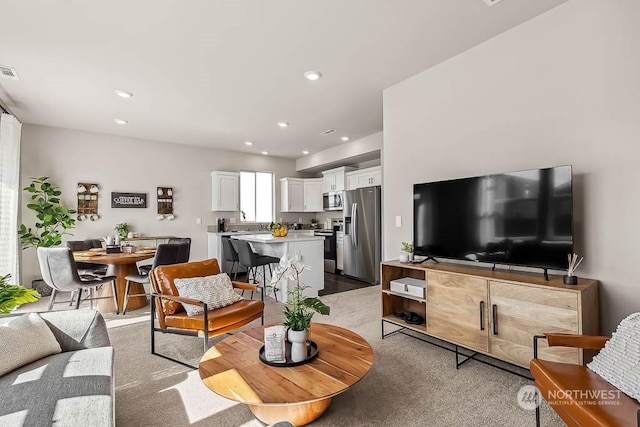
162,281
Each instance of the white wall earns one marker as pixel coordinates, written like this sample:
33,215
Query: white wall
135,165
563,88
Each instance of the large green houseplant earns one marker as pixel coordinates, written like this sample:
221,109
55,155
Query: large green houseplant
53,219
12,296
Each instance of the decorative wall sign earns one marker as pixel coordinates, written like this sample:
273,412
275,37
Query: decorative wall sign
87,201
165,203
128,200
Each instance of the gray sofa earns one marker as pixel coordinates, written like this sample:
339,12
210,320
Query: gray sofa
72,388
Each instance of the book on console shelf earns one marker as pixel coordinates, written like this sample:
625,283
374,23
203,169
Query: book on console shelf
409,286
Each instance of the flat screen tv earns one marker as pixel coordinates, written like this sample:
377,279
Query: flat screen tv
517,218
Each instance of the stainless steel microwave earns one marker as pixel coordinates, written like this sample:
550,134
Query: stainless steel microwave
332,201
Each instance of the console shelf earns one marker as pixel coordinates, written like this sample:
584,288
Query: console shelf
495,313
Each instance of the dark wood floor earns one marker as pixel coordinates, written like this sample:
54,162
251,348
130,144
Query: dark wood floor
335,283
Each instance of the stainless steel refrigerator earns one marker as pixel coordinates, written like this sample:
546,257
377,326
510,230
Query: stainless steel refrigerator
362,234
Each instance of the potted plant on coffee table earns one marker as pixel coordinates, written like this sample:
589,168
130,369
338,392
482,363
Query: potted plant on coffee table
299,309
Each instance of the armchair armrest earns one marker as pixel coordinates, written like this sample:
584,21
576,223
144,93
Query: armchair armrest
244,286
180,299
591,342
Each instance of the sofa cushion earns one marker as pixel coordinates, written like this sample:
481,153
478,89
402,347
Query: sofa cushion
216,291
619,361
24,339
65,389
77,329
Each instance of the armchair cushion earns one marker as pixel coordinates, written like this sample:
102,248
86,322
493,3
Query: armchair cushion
25,339
619,361
221,320
216,291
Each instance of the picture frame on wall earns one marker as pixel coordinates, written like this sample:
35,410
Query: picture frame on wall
128,200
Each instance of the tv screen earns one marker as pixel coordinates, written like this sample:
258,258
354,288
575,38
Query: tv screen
519,218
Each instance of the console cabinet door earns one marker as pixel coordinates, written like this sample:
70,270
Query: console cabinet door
518,312
457,309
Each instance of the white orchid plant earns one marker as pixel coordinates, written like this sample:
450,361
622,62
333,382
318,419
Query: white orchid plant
299,310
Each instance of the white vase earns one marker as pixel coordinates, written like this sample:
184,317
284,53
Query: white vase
404,257
298,340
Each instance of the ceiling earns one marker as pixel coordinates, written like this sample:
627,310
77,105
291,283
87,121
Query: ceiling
218,73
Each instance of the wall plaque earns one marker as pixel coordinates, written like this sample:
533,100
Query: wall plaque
128,200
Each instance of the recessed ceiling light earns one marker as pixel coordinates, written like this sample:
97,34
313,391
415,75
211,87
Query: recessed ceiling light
266,153
283,124
312,75
345,138
305,152
120,121
123,94
248,143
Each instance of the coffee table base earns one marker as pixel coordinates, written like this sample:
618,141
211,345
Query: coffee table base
298,414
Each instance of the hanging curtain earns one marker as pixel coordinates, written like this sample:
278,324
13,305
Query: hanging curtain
10,129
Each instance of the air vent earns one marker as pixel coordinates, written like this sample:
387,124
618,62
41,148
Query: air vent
327,132
491,2
8,73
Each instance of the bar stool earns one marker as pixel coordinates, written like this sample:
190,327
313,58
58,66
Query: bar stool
252,260
230,255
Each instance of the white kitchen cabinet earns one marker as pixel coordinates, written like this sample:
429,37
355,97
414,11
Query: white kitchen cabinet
340,250
313,195
292,195
334,179
364,178
225,188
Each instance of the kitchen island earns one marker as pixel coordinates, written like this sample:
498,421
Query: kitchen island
305,248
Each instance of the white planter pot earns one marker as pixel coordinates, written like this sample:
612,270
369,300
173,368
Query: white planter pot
404,257
298,340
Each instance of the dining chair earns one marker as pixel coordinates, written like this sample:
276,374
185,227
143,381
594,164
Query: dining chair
230,255
59,271
166,254
86,268
252,260
183,256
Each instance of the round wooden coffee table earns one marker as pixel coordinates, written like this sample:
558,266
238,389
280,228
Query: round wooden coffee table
298,394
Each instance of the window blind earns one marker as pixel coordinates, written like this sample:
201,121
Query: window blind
10,129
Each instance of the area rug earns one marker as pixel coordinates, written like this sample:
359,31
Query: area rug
411,383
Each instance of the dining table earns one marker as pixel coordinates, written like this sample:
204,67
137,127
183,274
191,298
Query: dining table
120,265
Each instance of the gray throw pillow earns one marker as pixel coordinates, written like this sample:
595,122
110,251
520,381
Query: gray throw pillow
217,291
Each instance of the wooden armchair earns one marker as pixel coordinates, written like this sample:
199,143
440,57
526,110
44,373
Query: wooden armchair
166,305
578,395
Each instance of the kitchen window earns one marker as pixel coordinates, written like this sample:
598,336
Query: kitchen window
256,196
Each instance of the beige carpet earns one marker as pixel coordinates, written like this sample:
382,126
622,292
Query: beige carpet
411,383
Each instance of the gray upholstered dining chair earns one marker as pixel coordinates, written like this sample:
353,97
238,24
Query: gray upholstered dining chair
166,254
59,272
